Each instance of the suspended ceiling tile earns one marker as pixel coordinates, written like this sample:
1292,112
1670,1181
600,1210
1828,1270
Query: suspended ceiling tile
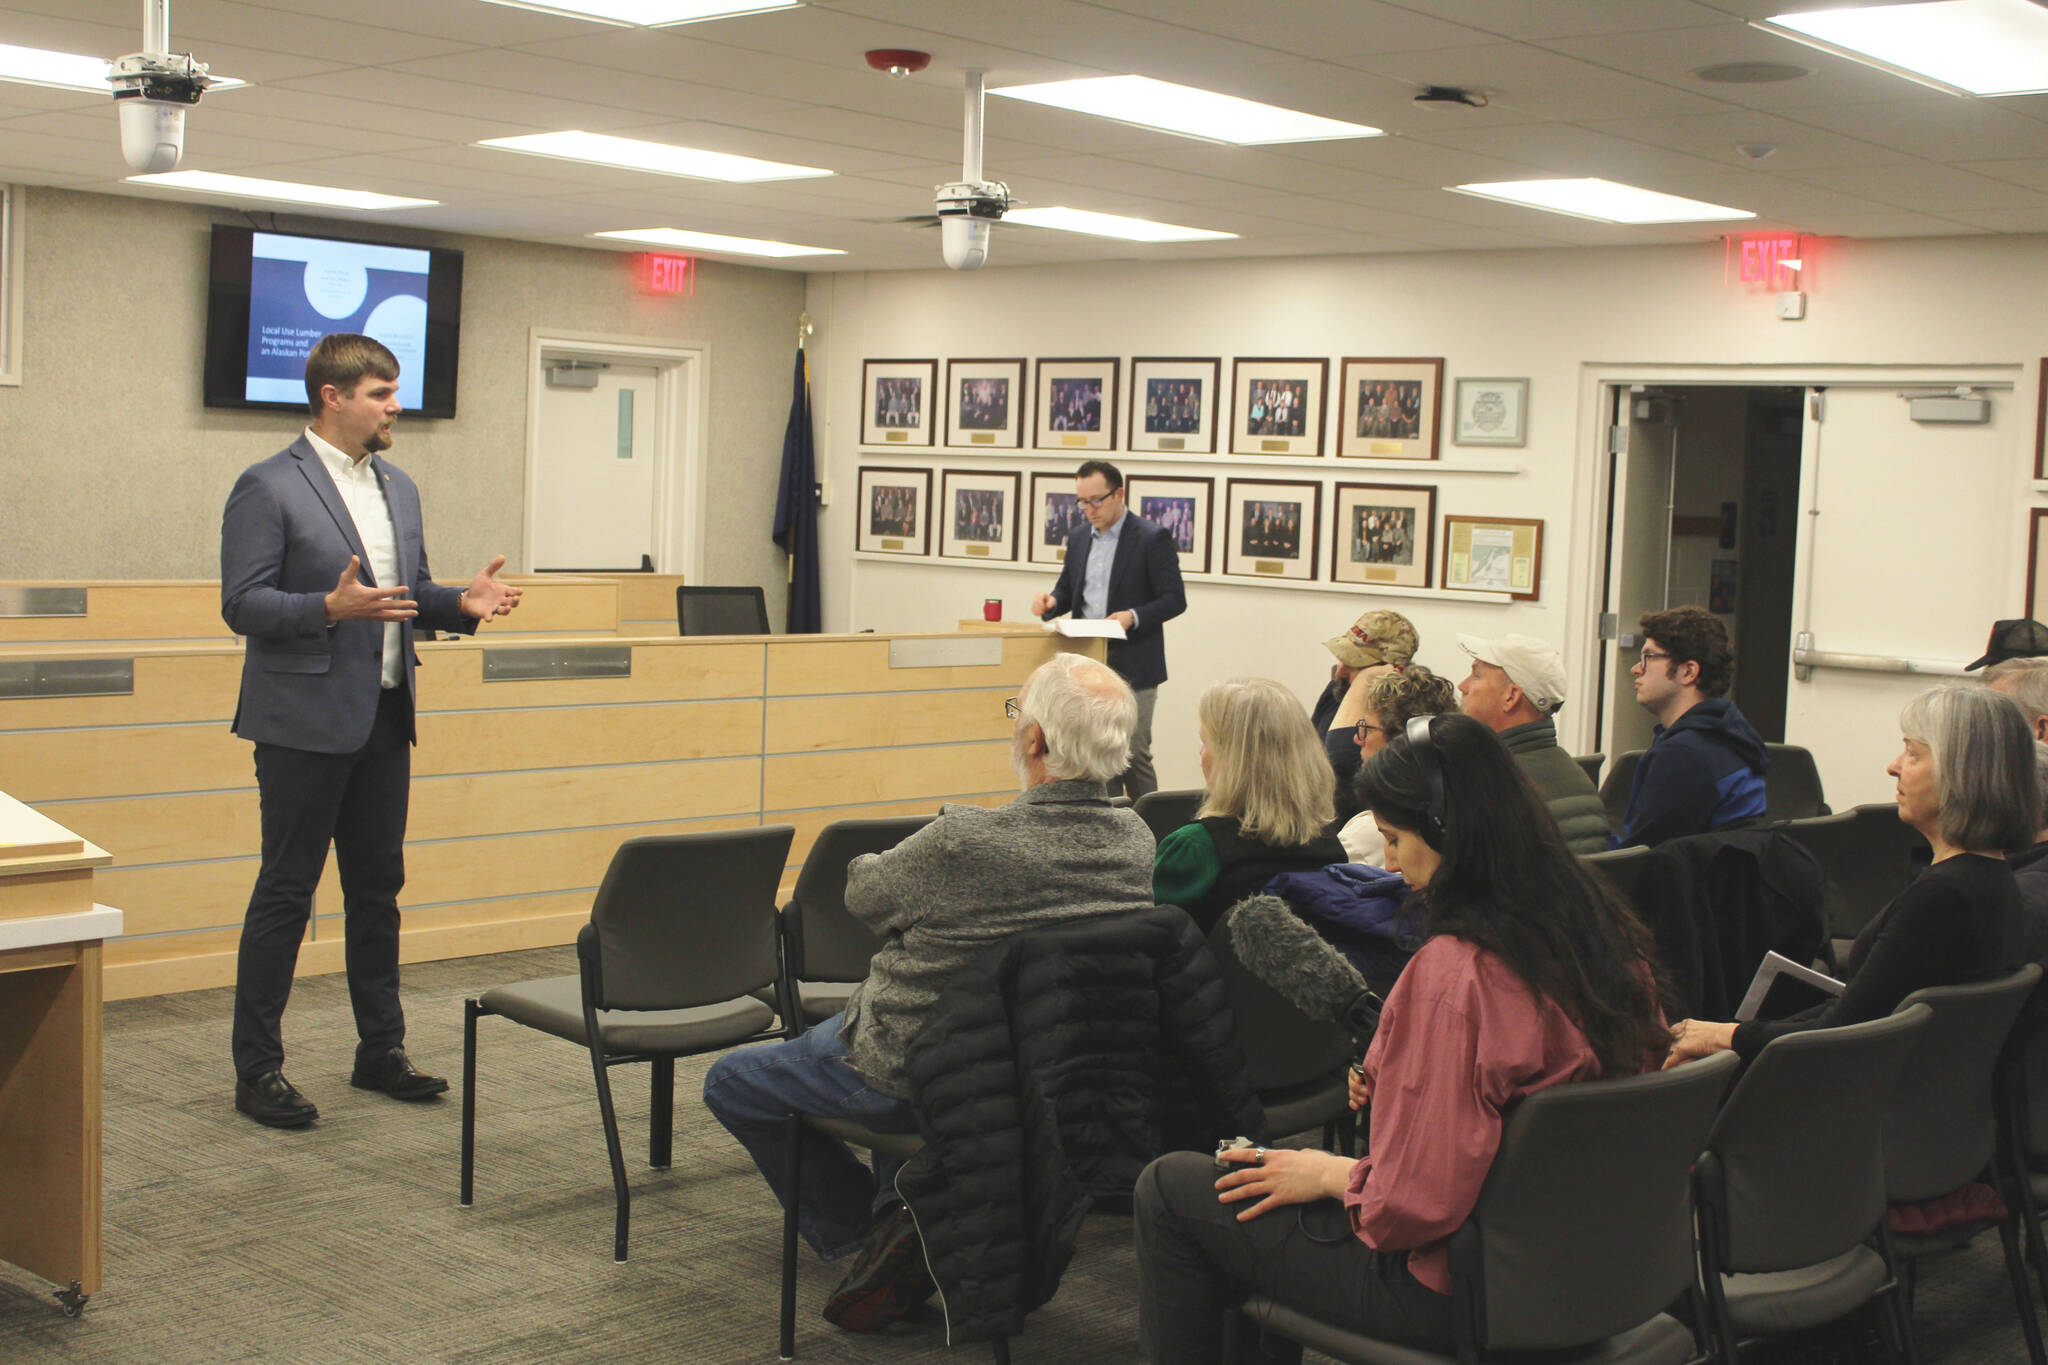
1925,187
2002,220
523,72
1311,28
1544,84
919,141
1571,151
1946,130
1896,224
1546,20
370,116
1413,160
1719,137
460,101
1267,168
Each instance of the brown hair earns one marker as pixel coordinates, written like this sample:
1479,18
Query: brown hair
1694,635
1399,696
343,359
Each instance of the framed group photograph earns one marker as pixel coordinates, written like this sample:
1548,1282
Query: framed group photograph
1494,554
1056,513
978,515
1389,408
895,511
1180,505
897,402
985,403
1491,412
1383,534
1270,528
2041,431
1276,406
1076,404
2037,563
1173,404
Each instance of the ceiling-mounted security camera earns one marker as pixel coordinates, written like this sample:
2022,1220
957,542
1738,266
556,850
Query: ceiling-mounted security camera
152,90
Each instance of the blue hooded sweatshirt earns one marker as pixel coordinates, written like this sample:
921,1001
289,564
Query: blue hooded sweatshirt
1703,771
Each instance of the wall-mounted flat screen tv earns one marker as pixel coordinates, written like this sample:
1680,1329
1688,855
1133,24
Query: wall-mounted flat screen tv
272,295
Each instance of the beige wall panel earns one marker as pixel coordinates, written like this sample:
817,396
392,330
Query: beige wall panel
125,611
648,597
521,864
163,829
826,666
810,823
810,724
581,736
452,679
483,914
53,765
505,803
168,689
550,605
184,896
868,776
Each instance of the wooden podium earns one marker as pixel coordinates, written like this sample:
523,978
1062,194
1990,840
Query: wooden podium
50,934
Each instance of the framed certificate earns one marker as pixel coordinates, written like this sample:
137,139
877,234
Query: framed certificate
1494,554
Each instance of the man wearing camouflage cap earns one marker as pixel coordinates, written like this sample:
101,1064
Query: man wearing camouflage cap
1376,642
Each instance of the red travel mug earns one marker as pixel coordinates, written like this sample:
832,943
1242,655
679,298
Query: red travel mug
992,609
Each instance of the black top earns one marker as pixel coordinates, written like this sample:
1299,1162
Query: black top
1960,921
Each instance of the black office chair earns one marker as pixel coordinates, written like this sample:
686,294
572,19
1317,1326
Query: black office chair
1297,1064
825,950
1165,812
721,611
1582,1236
681,934
1791,1187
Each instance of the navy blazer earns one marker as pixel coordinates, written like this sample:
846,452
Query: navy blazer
284,539
1144,579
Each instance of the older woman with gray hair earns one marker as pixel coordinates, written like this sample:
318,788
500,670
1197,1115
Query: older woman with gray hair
1967,781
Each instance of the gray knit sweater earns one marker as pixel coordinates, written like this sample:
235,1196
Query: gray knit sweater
969,879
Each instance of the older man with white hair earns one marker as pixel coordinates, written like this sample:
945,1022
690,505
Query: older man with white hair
974,876
1516,687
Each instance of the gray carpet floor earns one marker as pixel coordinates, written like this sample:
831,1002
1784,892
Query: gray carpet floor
341,1243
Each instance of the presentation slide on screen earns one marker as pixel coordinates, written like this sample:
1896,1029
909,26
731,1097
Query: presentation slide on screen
302,288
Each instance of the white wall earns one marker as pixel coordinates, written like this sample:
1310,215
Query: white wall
1566,319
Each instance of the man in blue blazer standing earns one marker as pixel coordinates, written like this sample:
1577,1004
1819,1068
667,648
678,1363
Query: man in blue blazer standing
1125,567
324,569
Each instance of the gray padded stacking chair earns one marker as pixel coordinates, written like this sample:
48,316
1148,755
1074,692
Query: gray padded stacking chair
1622,866
1621,775
1792,789
1791,1187
1592,763
825,950
1582,1235
681,932
1941,1130
1867,854
1165,812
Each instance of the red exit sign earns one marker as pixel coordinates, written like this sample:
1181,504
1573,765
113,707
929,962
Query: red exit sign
1772,260
662,274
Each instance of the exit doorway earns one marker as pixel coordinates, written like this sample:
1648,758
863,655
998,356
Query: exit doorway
1703,491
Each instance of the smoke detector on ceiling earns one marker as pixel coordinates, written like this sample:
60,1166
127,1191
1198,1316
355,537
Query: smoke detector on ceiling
898,62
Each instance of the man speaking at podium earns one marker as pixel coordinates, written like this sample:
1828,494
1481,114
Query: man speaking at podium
323,567
1125,567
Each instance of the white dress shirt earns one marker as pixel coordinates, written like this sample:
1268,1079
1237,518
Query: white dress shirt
356,481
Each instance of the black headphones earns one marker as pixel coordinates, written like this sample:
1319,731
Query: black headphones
1422,743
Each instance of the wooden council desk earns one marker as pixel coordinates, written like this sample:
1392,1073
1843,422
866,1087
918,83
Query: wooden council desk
50,932
540,751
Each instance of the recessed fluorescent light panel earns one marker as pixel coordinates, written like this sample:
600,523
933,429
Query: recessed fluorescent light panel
69,70
1185,110
1112,225
711,241
1602,200
1969,47
283,191
650,13
658,158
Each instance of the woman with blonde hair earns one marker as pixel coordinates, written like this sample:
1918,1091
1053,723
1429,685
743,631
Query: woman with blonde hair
1267,809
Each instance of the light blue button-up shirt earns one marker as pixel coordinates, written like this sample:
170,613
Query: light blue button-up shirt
1095,578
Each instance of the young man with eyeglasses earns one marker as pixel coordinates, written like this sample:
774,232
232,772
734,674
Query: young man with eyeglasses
1123,567
1704,769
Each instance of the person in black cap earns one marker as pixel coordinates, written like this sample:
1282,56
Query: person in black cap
2020,639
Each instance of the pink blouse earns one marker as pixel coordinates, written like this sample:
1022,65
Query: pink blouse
1461,1038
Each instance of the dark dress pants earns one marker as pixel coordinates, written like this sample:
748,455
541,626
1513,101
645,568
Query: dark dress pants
1195,1260
358,801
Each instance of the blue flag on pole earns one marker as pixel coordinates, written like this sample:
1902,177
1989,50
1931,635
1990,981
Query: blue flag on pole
796,507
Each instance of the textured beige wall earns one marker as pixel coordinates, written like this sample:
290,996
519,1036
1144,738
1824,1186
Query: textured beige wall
112,468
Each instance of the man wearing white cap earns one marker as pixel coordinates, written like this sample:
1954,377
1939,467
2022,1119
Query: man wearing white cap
1516,685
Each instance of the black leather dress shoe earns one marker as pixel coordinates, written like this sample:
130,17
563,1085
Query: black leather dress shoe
395,1075
272,1100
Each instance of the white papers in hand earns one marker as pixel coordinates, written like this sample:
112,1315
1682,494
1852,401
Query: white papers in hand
1104,629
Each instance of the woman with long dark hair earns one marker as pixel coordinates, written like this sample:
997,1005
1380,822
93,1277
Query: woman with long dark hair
1536,973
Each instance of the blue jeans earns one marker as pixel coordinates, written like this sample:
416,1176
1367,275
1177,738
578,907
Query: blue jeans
754,1091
